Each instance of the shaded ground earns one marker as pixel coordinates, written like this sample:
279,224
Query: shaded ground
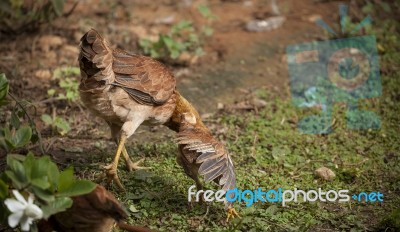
240,70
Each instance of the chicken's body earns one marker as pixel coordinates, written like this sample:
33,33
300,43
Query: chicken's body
126,90
96,211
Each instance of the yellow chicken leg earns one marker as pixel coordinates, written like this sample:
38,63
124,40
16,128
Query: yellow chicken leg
232,213
130,165
111,170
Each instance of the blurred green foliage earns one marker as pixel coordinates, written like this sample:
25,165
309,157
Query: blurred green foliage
40,176
19,15
182,37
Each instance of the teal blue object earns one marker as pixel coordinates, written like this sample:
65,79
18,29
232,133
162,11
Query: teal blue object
327,72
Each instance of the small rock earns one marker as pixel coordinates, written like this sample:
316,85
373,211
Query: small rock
313,18
268,24
206,115
220,106
257,102
168,20
182,72
43,74
49,41
325,173
248,3
70,50
185,57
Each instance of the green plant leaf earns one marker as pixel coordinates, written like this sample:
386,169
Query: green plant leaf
7,133
40,167
47,119
62,125
53,174
4,144
14,121
51,92
44,194
174,54
3,190
66,179
4,87
77,188
60,204
40,183
22,136
28,165
204,10
207,30
17,180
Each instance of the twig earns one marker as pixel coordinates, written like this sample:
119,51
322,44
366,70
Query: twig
253,149
66,15
30,122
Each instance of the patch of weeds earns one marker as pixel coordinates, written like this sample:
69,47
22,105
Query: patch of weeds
182,38
57,123
49,188
15,134
68,82
17,16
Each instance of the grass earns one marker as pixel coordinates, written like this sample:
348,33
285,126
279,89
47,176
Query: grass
269,152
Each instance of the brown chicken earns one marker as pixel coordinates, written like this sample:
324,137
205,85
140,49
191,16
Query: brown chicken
124,89
96,211
128,90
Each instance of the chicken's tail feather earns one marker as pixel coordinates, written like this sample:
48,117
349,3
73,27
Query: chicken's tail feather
95,57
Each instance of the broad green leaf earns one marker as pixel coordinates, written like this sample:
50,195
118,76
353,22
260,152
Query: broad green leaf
7,133
40,167
17,181
9,144
4,87
58,205
47,119
168,41
22,136
4,144
54,174
14,165
42,183
77,188
16,172
28,165
3,190
66,179
14,120
43,194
